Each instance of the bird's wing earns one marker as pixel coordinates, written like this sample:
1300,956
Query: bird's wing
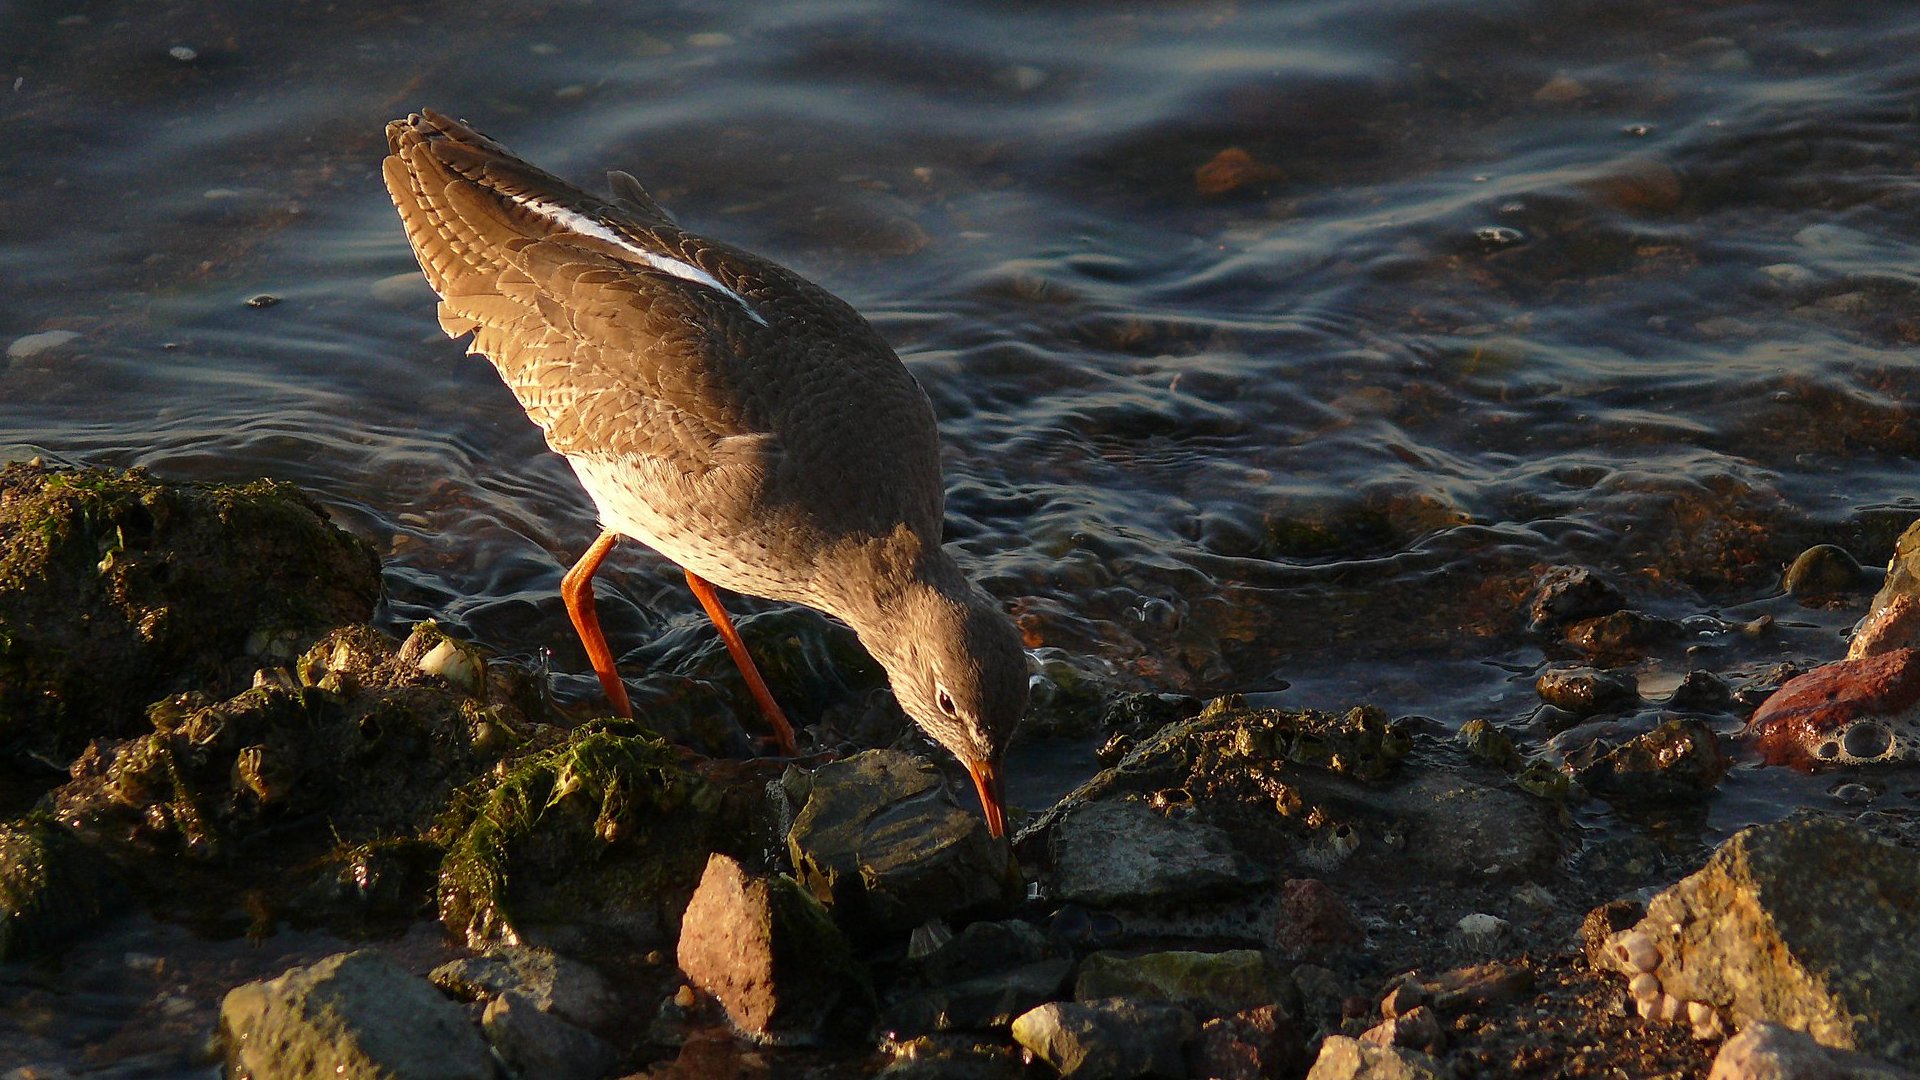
616,332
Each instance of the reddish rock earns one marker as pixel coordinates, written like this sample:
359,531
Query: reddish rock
1848,712
769,953
1248,1045
1314,922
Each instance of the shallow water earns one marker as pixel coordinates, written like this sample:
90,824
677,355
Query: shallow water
1491,288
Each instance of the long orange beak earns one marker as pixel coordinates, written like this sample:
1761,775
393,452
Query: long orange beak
986,778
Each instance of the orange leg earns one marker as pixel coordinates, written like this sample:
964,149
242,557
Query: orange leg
577,590
782,731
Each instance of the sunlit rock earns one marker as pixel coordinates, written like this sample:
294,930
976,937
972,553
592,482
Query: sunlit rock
1849,712
770,954
1808,923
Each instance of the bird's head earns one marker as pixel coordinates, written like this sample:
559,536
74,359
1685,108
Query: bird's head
958,670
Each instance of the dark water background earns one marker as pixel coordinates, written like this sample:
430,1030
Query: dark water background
1500,286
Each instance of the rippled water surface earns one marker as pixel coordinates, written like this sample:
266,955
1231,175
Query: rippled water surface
1272,343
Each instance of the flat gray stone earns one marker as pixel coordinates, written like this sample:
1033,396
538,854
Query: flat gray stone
1123,853
355,1014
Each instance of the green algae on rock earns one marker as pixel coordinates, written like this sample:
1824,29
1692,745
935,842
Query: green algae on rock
605,831
117,589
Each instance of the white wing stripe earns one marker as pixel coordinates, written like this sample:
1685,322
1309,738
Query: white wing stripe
581,223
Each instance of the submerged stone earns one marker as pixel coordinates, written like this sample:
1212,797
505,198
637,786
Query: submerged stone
881,841
117,589
351,1014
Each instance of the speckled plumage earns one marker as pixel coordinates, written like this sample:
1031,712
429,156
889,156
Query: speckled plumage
740,420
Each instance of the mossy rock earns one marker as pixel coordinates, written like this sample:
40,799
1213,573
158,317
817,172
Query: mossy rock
117,589
605,835
345,766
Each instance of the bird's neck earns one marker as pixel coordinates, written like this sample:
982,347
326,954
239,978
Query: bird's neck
890,578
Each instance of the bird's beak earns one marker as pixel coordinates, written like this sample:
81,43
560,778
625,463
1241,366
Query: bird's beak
986,778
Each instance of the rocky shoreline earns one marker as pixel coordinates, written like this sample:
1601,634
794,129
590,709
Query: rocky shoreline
201,725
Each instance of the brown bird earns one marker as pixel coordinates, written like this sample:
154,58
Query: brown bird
722,410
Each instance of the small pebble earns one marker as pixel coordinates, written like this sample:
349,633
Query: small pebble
183,53
263,300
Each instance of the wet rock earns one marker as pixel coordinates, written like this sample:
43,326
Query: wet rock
1585,690
1808,923
1314,923
1417,1028
1096,1040
1623,634
1232,169
1768,1051
1894,620
1678,761
1208,983
1124,853
51,886
1849,712
769,953
117,590
534,1042
596,843
542,978
1489,744
1568,594
1343,1058
1639,185
351,1014
1701,691
990,1000
1251,1044
952,1057
1821,571
880,840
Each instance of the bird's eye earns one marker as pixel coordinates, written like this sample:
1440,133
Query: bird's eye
945,700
